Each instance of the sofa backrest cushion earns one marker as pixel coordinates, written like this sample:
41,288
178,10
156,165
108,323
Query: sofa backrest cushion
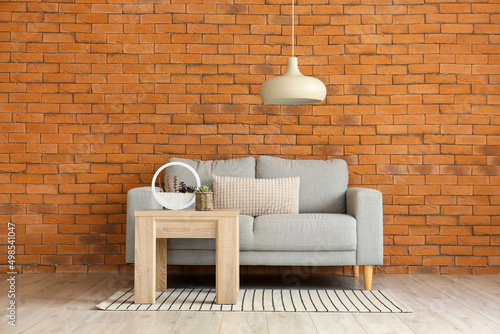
323,183
243,167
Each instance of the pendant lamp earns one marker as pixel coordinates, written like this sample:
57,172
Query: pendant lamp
293,88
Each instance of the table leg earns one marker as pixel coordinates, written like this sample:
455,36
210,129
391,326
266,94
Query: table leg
161,264
145,258
237,219
227,266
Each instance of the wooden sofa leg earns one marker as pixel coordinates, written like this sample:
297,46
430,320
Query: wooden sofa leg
355,271
368,274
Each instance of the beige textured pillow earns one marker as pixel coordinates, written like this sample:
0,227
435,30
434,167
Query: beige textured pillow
256,197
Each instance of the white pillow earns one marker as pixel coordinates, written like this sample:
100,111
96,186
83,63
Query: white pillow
257,197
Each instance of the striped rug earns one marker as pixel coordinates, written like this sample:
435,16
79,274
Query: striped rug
263,300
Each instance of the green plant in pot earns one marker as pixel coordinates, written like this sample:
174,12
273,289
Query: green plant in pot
204,199
203,189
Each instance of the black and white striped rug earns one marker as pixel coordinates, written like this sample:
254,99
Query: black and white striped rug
263,300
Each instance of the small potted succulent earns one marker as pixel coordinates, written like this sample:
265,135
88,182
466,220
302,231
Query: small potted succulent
204,199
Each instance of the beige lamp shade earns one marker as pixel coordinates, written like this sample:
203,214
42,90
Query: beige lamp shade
293,88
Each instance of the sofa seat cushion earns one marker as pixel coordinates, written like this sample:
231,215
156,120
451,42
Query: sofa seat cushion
246,238
304,232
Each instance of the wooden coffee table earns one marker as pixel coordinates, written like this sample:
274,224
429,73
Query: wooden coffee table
153,227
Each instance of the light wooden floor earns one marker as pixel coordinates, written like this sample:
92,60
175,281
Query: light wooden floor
65,303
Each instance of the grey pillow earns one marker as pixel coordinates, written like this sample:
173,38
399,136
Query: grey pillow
243,167
323,183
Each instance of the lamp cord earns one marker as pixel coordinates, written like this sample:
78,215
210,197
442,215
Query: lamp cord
293,28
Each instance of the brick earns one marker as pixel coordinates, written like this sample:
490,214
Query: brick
486,230
56,259
424,250
471,261
40,249
441,240
407,240
438,260
456,250
38,269
406,260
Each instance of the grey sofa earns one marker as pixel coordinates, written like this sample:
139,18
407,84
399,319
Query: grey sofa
336,225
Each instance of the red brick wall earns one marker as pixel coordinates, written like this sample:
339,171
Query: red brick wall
95,96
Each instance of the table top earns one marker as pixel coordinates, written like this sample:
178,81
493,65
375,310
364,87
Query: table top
185,213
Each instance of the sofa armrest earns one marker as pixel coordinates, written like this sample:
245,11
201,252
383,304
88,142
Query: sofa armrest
137,199
366,206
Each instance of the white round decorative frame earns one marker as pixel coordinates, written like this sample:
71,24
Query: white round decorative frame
163,201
